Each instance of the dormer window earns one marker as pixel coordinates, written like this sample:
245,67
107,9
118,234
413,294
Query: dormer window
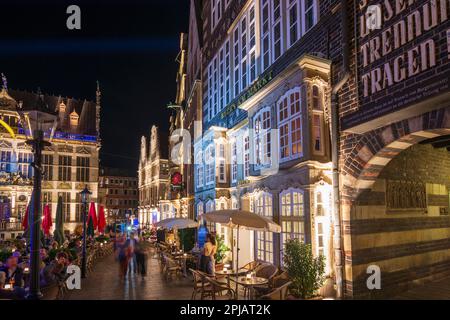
74,118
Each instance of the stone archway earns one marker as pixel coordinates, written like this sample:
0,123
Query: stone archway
409,245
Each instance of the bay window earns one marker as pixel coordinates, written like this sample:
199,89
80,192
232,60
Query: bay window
292,212
234,166
200,209
290,125
221,163
199,164
209,165
262,137
264,240
246,155
317,121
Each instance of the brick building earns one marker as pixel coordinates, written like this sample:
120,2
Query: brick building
118,193
337,131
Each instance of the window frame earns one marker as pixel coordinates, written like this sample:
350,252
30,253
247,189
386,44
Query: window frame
288,121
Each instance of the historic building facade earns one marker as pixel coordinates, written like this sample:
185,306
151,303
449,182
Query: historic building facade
70,163
153,178
335,128
266,140
118,193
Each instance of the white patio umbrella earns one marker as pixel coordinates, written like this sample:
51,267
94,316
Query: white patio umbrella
240,219
177,223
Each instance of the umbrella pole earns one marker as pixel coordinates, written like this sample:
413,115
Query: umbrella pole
237,262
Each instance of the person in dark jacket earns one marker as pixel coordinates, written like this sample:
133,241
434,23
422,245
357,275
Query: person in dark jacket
13,273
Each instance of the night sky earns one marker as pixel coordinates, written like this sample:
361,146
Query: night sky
129,46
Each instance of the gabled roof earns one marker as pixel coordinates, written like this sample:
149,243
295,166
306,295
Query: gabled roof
85,109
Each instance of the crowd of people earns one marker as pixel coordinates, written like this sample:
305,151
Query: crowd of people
54,260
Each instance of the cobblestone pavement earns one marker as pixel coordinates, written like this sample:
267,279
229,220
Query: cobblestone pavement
104,284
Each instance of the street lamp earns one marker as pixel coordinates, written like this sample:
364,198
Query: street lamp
38,122
85,195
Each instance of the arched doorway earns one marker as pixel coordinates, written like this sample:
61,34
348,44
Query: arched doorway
395,206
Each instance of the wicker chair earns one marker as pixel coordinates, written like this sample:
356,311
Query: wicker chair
276,282
200,285
279,293
221,291
171,268
266,271
249,267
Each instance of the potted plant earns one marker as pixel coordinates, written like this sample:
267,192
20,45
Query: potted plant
221,252
305,271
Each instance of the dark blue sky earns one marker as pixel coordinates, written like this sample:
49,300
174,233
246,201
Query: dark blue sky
129,46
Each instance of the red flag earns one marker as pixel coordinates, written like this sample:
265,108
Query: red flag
25,219
93,214
101,219
47,222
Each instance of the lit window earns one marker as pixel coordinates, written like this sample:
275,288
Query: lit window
318,121
234,166
264,240
246,156
221,163
209,165
292,216
290,127
262,132
199,163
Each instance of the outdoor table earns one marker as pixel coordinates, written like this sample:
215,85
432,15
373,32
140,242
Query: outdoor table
227,273
250,283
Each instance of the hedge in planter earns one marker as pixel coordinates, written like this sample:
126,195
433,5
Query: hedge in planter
305,271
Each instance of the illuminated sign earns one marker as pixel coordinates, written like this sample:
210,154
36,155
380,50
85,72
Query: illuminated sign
403,59
176,180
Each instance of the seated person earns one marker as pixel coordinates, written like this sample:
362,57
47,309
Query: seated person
55,271
13,273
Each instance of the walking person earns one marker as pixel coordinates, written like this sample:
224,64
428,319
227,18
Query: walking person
207,262
141,258
131,242
123,255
